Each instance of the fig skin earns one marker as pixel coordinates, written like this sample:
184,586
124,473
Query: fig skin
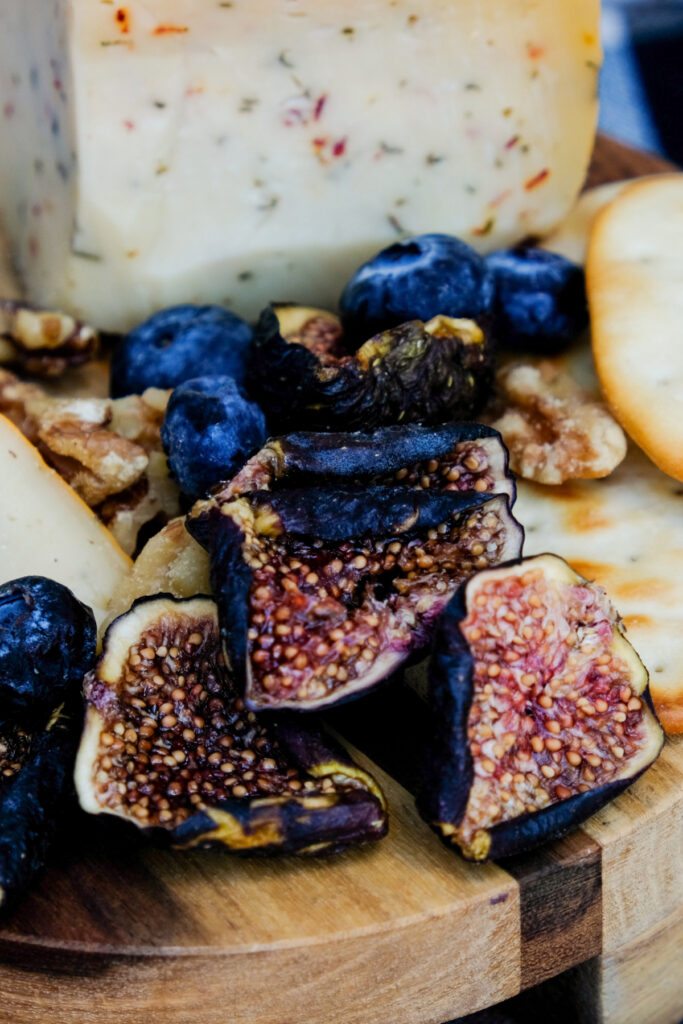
448,773
336,516
412,373
343,807
382,455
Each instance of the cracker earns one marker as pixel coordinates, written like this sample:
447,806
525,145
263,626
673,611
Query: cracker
634,280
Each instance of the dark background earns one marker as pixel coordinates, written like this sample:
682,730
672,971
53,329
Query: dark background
641,84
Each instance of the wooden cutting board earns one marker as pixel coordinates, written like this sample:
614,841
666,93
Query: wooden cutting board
401,933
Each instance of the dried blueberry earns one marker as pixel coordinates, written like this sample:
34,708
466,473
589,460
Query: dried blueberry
540,299
177,344
415,279
47,644
210,429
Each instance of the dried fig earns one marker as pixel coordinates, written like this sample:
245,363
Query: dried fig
323,592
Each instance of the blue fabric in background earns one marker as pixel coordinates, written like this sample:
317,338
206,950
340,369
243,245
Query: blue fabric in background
641,85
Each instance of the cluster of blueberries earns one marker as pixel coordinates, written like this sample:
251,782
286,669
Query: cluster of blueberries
534,299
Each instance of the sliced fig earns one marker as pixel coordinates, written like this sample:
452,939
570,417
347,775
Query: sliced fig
413,373
450,457
539,709
323,592
169,746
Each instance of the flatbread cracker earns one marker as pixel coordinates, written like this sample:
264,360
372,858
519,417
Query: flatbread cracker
634,280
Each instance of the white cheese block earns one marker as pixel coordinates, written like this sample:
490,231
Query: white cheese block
46,530
239,152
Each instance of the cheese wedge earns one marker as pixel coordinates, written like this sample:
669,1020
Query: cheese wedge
46,530
243,152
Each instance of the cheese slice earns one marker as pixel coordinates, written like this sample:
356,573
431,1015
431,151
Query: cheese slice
46,530
255,150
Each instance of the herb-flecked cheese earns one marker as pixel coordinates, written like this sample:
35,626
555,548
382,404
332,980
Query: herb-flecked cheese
194,150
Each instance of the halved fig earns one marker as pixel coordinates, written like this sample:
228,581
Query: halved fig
539,709
169,746
323,592
415,373
450,457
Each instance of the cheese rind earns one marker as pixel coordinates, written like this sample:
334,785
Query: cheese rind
263,149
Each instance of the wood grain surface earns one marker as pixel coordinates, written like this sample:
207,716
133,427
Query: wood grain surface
402,933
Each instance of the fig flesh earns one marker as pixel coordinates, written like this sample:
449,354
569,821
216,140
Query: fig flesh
169,746
323,592
451,457
413,373
539,709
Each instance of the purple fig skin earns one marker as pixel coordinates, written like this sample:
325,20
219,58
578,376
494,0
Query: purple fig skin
351,818
448,770
362,455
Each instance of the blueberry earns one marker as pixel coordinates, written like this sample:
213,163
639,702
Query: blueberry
47,644
415,279
540,299
179,343
209,431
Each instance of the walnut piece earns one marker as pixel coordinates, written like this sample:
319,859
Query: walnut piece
110,453
43,342
140,417
553,430
72,435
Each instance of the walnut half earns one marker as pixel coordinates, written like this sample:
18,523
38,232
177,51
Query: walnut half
111,456
553,430
43,342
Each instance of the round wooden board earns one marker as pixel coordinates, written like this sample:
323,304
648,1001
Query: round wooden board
401,933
